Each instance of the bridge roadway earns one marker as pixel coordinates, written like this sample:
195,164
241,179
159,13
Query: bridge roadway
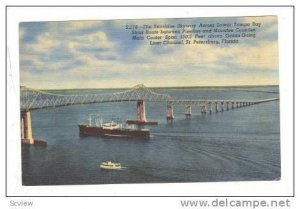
200,102
31,99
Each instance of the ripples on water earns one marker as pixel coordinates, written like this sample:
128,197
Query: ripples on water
236,145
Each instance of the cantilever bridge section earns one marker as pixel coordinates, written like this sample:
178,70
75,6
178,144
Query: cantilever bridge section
36,99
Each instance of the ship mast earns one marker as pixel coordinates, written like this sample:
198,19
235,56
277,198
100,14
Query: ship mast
90,120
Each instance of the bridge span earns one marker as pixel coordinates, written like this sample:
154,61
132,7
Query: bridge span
209,106
31,99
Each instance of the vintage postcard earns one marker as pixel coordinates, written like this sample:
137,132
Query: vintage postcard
149,100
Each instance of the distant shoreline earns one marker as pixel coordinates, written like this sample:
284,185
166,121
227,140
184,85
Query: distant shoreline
167,87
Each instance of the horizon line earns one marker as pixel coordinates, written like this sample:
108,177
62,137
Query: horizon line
160,87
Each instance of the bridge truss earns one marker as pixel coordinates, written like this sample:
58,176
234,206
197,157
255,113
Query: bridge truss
36,99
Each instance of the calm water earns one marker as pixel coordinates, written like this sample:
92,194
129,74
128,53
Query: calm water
236,145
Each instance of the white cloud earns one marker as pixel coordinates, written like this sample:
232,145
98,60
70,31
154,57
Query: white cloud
261,57
92,40
81,24
260,19
43,44
50,43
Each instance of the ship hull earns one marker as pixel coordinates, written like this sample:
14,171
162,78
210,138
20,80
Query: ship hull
110,168
85,130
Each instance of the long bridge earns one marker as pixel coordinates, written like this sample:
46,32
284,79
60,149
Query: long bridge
31,99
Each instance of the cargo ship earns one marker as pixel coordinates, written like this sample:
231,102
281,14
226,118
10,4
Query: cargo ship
112,129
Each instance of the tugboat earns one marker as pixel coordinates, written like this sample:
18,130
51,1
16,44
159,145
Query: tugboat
112,129
110,165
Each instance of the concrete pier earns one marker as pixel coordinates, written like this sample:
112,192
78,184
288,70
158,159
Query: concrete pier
26,130
222,106
170,114
141,115
188,112
26,127
141,111
203,109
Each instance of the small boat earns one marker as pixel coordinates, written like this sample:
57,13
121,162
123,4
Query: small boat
110,165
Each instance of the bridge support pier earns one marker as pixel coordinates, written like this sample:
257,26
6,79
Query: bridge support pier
26,127
188,112
222,106
141,115
26,130
170,114
227,106
140,111
210,108
216,103
203,109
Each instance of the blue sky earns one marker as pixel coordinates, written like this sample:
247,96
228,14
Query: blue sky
101,54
